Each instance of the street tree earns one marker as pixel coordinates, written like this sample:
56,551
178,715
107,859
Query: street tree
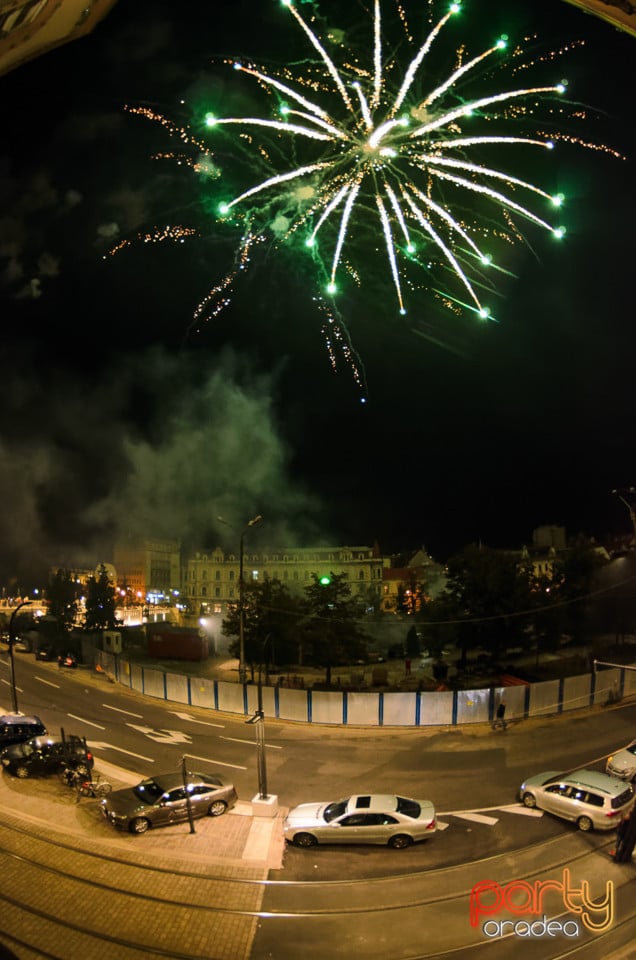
490,588
330,627
99,602
270,616
63,600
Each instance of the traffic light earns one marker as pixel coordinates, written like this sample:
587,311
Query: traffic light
325,580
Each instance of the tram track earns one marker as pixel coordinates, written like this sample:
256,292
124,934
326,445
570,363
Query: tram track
52,886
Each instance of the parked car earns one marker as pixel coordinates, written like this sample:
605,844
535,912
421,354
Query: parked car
623,763
368,818
15,728
45,653
590,799
40,757
165,799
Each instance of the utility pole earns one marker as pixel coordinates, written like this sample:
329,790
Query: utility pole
629,503
250,523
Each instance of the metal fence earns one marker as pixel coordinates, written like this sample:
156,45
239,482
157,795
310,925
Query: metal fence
372,709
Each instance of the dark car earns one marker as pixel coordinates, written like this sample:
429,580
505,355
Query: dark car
165,799
15,728
40,757
45,653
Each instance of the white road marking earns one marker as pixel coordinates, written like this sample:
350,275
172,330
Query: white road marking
441,826
162,736
205,723
82,720
477,818
47,682
127,712
217,763
252,743
258,839
519,808
129,753
8,684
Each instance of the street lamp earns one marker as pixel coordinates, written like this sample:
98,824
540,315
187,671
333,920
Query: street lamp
250,523
14,692
629,504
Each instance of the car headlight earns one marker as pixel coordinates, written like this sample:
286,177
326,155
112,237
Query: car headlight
5,762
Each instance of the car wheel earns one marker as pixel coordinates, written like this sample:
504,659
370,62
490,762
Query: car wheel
305,840
400,841
22,772
217,808
584,824
139,825
529,800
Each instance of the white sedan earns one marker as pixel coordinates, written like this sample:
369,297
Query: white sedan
366,818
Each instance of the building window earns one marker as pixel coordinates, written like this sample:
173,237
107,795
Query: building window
217,591
204,591
217,608
231,574
217,575
231,592
361,575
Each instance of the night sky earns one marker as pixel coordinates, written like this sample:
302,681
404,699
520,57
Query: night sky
121,414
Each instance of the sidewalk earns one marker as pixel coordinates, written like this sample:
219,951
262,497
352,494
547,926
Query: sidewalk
237,840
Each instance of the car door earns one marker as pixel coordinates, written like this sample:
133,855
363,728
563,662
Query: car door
47,759
173,806
555,800
356,828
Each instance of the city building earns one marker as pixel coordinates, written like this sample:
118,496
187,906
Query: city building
149,570
211,579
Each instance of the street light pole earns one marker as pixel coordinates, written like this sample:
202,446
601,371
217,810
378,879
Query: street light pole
250,523
628,504
14,692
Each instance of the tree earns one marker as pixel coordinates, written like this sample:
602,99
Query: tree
330,626
489,586
63,599
100,602
270,616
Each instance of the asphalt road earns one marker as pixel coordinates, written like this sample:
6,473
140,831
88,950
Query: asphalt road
368,902
471,774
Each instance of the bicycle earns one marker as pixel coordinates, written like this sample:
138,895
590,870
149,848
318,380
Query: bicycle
85,785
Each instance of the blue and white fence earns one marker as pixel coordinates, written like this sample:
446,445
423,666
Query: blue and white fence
372,709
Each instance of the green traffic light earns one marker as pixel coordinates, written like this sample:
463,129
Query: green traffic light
325,581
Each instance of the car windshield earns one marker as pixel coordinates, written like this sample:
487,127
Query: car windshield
149,791
333,810
560,778
408,807
632,748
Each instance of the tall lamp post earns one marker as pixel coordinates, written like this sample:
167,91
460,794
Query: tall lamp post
14,692
629,504
250,523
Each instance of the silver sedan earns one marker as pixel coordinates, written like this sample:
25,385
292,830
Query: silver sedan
365,818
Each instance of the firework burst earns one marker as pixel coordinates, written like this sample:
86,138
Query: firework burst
359,150
407,158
